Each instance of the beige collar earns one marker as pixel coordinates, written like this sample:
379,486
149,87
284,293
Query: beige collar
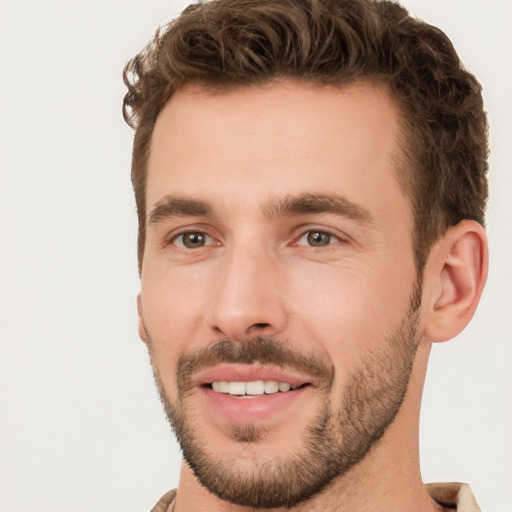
449,494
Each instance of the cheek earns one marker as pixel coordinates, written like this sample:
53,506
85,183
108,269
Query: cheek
347,310
173,304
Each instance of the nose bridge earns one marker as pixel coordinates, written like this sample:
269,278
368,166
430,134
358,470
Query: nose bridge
248,298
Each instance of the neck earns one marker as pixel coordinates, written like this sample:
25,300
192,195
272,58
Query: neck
388,478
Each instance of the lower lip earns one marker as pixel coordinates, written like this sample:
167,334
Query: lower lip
246,409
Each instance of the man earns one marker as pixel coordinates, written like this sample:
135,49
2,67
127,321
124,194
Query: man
310,179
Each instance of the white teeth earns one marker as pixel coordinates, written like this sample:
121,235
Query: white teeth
237,388
221,387
271,386
253,388
284,386
224,386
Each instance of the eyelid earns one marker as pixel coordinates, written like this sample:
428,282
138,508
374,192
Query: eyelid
333,239
208,240
304,230
170,238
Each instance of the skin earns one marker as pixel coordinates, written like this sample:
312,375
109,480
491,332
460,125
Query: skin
240,152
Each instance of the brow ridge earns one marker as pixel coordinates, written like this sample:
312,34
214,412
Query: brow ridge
309,203
288,206
175,206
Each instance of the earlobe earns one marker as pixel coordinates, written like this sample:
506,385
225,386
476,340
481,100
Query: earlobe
143,333
457,271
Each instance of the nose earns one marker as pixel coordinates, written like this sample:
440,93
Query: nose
249,296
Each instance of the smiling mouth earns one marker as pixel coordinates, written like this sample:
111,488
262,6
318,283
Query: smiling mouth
252,388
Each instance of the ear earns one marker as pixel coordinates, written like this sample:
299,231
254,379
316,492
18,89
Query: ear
143,333
454,276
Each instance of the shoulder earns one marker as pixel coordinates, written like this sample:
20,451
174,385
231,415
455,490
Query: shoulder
164,502
454,494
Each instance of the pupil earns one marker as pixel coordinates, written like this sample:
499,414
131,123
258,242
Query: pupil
192,240
318,238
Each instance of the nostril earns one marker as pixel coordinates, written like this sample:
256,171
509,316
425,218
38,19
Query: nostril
260,325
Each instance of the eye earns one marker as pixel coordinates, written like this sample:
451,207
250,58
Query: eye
317,238
192,240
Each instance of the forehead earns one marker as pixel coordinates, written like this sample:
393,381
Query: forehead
284,138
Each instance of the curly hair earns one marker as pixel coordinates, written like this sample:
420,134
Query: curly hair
226,44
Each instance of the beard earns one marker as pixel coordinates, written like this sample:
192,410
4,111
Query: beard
332,443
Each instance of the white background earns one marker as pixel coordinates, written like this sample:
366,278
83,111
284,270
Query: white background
81,428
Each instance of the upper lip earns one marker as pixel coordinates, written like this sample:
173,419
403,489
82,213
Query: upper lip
249,373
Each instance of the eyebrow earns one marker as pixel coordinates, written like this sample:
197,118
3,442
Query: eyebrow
318,203
171,206
288,206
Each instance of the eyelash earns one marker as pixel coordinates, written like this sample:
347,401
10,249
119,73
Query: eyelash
180,236
307,234
210,240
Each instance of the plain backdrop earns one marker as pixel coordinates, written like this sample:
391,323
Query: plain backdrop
81,427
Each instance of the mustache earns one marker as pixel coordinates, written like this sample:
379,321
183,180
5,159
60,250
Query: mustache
259,349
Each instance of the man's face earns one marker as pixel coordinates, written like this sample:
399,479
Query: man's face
279,292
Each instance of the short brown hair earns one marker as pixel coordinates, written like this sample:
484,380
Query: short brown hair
224,44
